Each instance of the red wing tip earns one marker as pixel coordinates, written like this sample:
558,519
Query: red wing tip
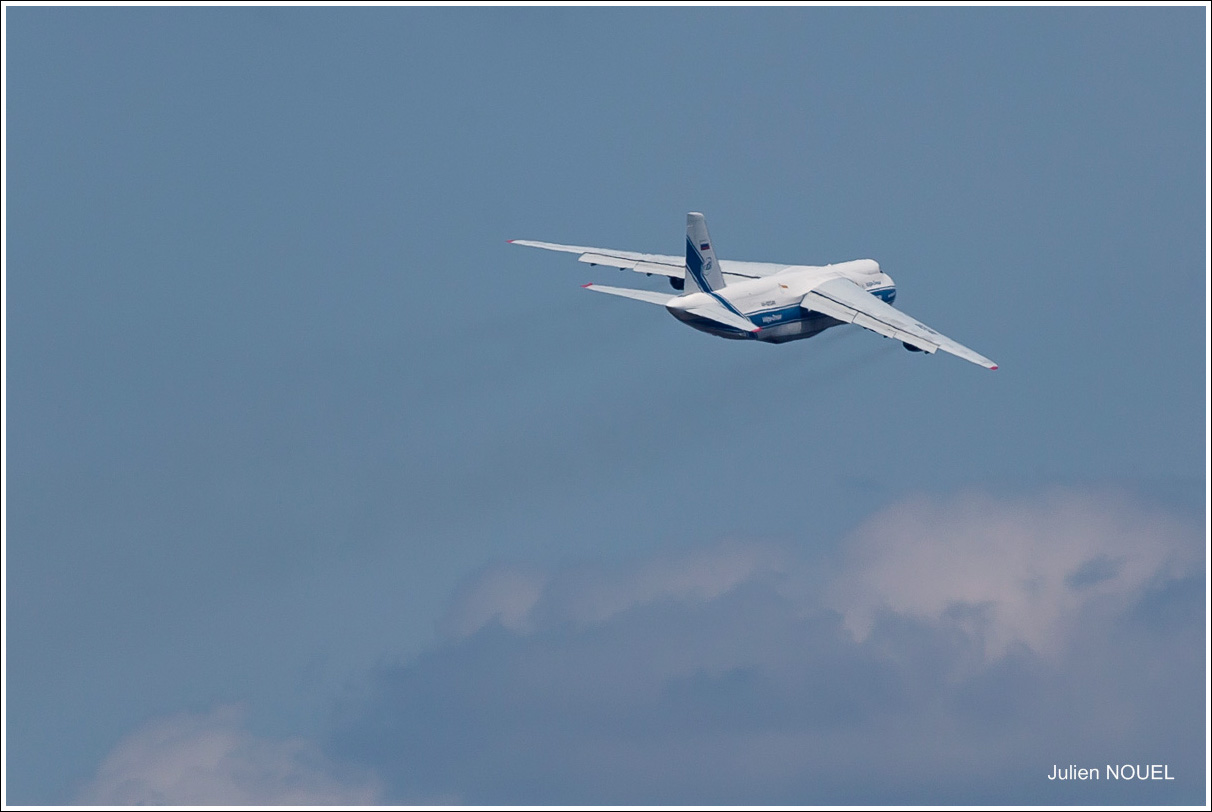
993,367
590,285
509,241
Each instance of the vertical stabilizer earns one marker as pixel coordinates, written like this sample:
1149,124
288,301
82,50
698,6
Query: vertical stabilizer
702,269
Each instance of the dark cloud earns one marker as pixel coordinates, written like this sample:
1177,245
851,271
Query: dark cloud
1097,569
724,677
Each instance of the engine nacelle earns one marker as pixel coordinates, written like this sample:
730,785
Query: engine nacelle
677,282
910,347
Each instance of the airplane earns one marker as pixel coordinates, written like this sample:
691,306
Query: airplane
767,301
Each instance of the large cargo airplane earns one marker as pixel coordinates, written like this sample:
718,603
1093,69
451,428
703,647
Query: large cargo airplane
768,301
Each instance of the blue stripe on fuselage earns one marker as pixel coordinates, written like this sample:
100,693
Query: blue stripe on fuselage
714,327
779,315
792,314
788,314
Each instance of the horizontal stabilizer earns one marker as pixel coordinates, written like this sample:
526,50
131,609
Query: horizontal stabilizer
643,295
707,307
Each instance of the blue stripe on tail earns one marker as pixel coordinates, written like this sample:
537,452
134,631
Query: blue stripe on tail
694,266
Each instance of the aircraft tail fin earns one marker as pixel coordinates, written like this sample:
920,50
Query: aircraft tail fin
702,268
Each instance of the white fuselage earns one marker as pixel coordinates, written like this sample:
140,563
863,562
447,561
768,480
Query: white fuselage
774,303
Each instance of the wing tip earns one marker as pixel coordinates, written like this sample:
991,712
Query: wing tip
590,285
510,242
993,367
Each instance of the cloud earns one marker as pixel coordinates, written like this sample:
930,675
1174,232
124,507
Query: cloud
954,652
210,759
1013,572
502,594
951,652
524,599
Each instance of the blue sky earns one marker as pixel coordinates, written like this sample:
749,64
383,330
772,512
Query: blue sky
307,466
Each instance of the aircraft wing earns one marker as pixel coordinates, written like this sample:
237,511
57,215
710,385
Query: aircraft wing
846,301
663,264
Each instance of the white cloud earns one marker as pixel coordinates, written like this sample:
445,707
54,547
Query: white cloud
210,759
523,599
934,662
1009,571
503,594
1006,571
